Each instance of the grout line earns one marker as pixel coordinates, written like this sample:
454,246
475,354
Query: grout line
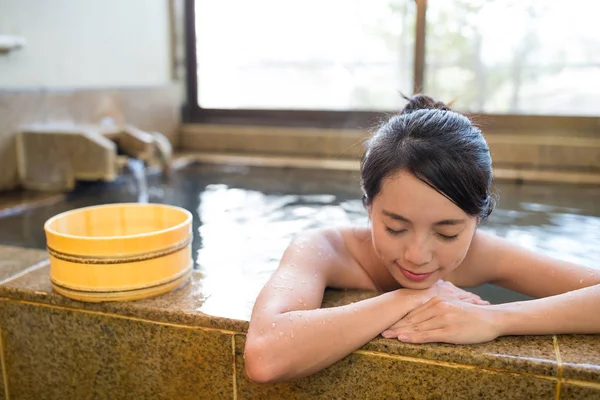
588,384
194,327
451,364
4,372
559,369
559,373
234,368
27,270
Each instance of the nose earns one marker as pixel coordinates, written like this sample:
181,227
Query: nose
417,252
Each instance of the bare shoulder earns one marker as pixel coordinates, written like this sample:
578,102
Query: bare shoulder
478,267
340,251
313,261
492,259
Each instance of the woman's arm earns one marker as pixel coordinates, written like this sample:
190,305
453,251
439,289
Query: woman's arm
290,336
571,312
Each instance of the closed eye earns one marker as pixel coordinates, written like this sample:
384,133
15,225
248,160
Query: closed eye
394,232
448,238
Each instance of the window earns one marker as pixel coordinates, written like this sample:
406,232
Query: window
311,54
514,56
335,59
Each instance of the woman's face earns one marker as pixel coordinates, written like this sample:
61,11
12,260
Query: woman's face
418,233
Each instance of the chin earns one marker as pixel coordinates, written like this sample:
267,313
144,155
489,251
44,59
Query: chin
408,284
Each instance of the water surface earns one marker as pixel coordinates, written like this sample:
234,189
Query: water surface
245,217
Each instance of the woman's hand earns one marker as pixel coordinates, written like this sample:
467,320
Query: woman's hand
447,321
448,291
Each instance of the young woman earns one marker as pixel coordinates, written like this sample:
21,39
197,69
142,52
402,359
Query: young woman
426,178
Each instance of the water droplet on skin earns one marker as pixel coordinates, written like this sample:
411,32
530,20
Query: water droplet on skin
303,281
580,281
274,325
300,301
290,317
356,310
280,334
292,334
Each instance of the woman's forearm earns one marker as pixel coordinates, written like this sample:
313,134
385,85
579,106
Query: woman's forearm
572,312
297,343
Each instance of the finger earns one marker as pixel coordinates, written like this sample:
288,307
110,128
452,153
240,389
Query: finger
477,301
417,316
437,335
425,326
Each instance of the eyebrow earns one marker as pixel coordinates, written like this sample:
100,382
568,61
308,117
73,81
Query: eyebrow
399,217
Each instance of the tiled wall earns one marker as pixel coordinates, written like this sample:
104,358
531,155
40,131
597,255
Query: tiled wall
51,352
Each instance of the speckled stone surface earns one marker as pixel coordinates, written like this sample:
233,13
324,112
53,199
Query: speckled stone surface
13,260
571,391
360,376
580,356
2,394
54,353
181,306
533,354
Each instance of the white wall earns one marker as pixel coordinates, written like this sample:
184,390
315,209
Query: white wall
86,43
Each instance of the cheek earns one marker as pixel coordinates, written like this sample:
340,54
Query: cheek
451,255
384,245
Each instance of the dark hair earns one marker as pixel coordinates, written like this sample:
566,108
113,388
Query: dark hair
438,146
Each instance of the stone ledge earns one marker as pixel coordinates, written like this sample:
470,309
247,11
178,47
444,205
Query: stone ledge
559,152
533,356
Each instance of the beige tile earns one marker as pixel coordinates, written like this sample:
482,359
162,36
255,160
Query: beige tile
573,391
14,260
184,305
580,356
2,386
373,377
187,306
53,353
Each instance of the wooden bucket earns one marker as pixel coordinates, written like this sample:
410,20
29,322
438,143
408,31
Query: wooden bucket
117,252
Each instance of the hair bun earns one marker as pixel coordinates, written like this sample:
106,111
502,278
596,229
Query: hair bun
422,102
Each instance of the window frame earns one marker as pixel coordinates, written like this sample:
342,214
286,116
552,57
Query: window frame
353,119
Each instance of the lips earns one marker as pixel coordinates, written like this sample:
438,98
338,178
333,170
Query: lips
414,276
